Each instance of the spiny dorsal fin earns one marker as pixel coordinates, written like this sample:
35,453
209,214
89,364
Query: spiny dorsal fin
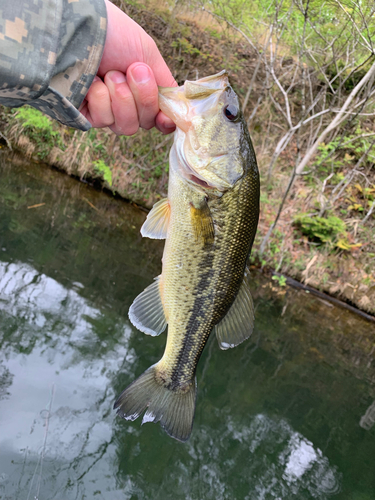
237,325
156,224
147,312
202,222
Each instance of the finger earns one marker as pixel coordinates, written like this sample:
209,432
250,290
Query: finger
123,104
164,124
84,105
154,59
127,43
98,105
145,91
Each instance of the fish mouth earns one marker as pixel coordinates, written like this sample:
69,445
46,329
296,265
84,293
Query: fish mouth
182,105
207,85
174,101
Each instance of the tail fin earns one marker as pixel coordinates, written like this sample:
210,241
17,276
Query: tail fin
174,410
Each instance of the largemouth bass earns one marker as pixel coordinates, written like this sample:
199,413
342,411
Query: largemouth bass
209,221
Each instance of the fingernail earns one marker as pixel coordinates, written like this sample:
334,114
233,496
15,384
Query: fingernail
117,77
141,74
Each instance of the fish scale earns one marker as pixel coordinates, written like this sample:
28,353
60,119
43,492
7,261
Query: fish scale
209,221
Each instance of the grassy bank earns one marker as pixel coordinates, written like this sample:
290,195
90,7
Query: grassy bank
325,235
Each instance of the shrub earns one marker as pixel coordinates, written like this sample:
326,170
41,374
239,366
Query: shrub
321,230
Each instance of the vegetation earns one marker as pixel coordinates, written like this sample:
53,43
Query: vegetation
280,280
323,230
304,70
102,169
39,128
134,167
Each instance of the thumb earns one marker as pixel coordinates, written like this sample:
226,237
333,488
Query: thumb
154,59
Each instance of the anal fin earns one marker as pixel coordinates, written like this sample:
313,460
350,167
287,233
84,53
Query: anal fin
147,312
156,224
237,325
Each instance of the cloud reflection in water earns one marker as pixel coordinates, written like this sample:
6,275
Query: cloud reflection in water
49,339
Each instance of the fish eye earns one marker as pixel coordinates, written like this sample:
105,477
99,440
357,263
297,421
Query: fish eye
231,112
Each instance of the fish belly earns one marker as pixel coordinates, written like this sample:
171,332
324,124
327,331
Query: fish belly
186,289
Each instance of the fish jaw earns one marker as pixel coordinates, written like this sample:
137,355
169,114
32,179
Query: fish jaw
174,101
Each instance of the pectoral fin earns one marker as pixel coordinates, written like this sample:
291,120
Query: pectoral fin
238,323
147,312
202,222
156,224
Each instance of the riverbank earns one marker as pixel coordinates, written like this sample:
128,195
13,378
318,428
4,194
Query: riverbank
335,255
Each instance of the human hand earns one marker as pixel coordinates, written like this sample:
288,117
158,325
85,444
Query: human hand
124,95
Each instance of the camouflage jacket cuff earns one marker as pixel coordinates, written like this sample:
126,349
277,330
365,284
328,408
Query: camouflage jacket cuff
50,54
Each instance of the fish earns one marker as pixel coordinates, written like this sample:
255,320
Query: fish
208,220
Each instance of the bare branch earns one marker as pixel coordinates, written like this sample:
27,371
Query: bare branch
369,213
284,141
336,121
367,44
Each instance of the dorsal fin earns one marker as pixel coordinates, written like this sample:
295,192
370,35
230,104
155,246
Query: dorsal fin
202,222
156,224
147,312
237,325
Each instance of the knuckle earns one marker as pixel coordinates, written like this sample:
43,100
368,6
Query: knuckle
107,122
148,125
122,93
99,92
102,123
127,128
116,130
132,130
149,102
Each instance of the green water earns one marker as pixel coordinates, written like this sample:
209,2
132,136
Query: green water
290,414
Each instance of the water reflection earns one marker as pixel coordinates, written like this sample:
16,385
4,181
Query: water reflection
275,462
277,418
368,419
54,325
46,327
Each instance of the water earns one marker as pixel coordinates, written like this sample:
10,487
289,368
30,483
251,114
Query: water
290,414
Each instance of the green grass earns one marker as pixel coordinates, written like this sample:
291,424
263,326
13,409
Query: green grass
105,172
40,129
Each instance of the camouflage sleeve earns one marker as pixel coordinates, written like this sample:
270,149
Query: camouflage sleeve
50,51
